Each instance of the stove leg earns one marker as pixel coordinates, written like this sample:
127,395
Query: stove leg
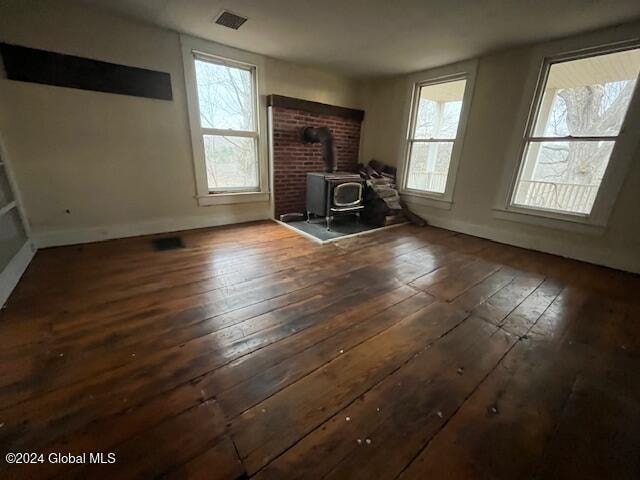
308,217
358,218
328,218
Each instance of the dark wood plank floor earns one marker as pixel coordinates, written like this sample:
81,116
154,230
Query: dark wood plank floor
254,352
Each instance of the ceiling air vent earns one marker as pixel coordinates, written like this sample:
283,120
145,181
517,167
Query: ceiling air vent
230,20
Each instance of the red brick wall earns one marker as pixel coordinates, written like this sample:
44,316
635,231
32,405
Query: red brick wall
292,159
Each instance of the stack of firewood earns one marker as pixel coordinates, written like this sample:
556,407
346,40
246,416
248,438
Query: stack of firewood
383,205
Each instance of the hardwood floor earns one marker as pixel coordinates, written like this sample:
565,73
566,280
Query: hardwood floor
407,353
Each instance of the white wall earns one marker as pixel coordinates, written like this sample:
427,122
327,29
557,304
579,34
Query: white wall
120,165
494,108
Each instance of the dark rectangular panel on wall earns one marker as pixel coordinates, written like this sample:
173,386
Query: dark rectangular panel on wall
49,68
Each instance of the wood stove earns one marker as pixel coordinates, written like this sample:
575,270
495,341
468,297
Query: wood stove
334,193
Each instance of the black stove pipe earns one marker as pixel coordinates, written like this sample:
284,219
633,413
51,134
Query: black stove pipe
323,136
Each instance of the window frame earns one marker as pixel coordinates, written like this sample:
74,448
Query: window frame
596,221
204,57
195,49
450,73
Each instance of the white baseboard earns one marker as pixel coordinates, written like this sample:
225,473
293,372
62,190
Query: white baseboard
10,276
109,232
610,258
613,259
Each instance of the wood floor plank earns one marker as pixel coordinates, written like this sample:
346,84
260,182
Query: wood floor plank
603,445
121,350
413,421
497,307
49,327
481,292
251,392
514,413
78,264
464,279
304,405
107,432
154,452
257,352
380,432
185,306
522,318
220,462
151,453
143,377
521,406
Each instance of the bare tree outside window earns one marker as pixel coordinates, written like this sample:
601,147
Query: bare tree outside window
579,117
437,115
227,118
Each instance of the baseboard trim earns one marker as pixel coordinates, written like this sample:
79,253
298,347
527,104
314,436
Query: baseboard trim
12,273
98,234
545,245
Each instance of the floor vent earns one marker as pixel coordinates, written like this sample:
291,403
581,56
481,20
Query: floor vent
167,243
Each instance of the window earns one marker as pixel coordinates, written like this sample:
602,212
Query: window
579,114
433,133
227,117
230,150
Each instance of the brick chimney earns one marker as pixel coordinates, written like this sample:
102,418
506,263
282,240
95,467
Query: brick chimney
293,159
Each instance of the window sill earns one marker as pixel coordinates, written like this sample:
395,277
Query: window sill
426,200
550,220
232,198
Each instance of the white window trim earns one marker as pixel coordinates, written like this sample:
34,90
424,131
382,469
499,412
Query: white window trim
237,58
458,71
17,202
621,157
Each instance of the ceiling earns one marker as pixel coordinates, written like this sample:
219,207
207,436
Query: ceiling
444,92
612,67
379,37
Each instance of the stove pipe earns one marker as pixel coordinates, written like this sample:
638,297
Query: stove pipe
323,136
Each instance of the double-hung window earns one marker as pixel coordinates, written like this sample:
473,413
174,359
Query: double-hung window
230,154
228,124
579,111
433,135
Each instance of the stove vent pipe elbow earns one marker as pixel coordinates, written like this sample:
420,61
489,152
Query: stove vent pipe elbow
323,136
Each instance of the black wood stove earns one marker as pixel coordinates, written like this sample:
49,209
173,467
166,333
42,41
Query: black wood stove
331,193
334,193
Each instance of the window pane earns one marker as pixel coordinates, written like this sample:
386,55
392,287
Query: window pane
588,97
231,162
225,96
563,176
439,109
429,166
